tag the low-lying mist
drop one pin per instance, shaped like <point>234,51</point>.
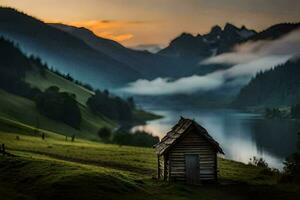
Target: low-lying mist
<point>246,59</point>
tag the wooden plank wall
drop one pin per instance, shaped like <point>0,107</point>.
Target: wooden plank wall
<point>193,143</point>
<point>160,170</point>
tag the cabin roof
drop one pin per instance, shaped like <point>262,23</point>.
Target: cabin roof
<point>178,131</point>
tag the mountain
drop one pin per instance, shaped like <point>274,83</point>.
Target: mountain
<point>193,49</point>
<point>163,65</point>
<point>64,51</point>
<point>149,65</point>
<point>99,61</point>
<point>277,87</point>
<point>220,40</point>
<point>274,32</point>
<point>196,48</point>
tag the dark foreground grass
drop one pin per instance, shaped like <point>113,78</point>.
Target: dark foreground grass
<point>36,178</point>
<point>57,169</point>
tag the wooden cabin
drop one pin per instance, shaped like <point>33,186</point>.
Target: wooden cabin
<point>187,153</point>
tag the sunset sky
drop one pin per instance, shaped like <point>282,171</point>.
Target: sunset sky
<point>135,22</point>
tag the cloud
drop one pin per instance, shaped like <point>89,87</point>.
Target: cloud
<point>165,86</point>
<point>118,38</point>
<point>240,74</point>
<point>153,48</point>
<point>251,51</point>
<point>247,59</point>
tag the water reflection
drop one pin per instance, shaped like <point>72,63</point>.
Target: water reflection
<point>241,135</point>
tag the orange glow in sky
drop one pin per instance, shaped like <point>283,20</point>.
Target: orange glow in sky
<point>134,22</point>
<point>107,29</point>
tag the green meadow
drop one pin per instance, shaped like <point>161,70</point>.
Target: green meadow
<point>35,79</point>
<point>24,110</point>
<point>57,168</point>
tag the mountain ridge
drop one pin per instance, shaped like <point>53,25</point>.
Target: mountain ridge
<point>99,61</point>
<point>64,51</point>
<point>216,41</point>
<point>148,64</point>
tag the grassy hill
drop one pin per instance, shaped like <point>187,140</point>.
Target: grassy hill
<point>20,74</point>
<point>18,98</point>
<point>35,79</point>
<point>24,110</point>
<point>58,169</point>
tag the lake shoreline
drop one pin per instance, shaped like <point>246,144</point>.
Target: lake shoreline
<point>242,134</point>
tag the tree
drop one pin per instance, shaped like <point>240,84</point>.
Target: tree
<point>110,106</point>
<point>259,162</point>
<point>104,133</point>
<point>274,113</point>
<point>13,67</point>
<point>106,92</point>
<point>292,165</point>
<point>295,111</point>
<point>138,138</point>
<point>60,106</point>
<point>131,102</point>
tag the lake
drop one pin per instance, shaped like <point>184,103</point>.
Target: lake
<point>241,135</point>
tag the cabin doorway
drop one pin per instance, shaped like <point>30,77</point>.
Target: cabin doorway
<point>192,169</point>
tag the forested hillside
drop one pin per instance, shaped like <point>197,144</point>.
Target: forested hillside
<point>13,67</point>
<point>279,86</point>
<point>32,94</point>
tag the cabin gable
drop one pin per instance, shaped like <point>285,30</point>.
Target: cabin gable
<point>192,143</point>
<point>187,153</point>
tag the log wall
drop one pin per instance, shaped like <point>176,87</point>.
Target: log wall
<point>193,143</point>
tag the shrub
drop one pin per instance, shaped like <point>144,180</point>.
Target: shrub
<point>138,138</point>
<point>270,171</point>
<point>292,166</point>
<point>295,111</point>
<point>104,133</point>
<point>259,162</point>
<point>274,113</point>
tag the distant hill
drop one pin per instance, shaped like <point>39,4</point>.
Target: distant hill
<point>149,65</point>
<point>276,87</point>
<point>64,51</point>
